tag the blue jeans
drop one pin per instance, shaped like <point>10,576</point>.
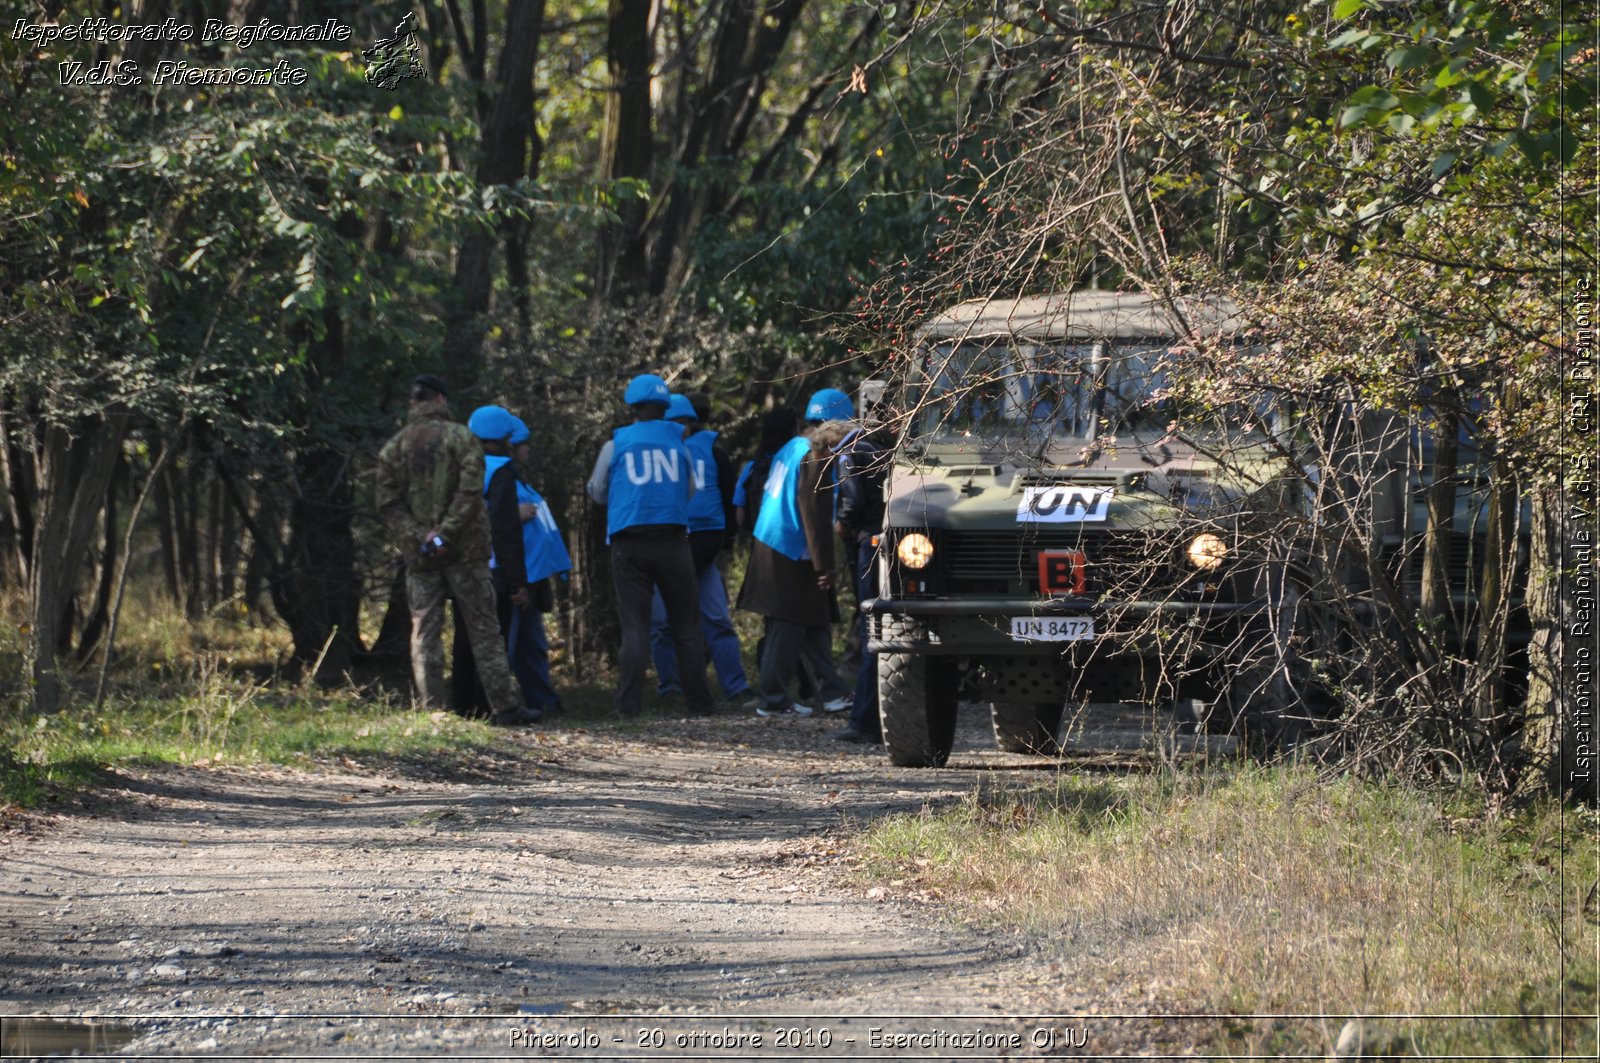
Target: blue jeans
<point>722,643</point>
<point>864,716</point>
<point>530,658</point>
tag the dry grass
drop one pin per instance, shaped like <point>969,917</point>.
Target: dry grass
<point>1267,891</point>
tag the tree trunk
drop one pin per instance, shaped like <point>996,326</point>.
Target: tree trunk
<point>626,146</point>
<point>166,521</point>
<point>21,499</point>
<point>320,590</point>
<point>1495,589</point>
<point>503,161</point>
<point>188,533</point>
<point>1557,731</point>
<point>390,654</point>
<point>1436,605</point>
<point>122,575</point>
<point>94,626</point>
<point>73,475</point>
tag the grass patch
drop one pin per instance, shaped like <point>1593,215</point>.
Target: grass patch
<point>1255,890</point>
<point>221,720</point>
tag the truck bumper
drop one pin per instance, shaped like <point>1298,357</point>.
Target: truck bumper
<point>983,625</point>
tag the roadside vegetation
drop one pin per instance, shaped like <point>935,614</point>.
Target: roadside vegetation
<point>1253,891</point>
<point>216,692</point>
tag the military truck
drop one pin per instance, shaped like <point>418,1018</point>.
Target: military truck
<point>1048,536</point>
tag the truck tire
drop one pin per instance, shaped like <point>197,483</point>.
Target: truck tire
<point>1026,727</point>
<point>917,707</point>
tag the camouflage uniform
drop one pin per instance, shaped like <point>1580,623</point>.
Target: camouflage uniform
<point>430,479</point>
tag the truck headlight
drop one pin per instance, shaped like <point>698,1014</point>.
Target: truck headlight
<point>1206,551</point>
<point>914,550</point>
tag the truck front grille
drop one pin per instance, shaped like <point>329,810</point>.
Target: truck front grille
<point>1123,563</point>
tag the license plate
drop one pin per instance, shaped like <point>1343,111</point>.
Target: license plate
<point>1052,628</point>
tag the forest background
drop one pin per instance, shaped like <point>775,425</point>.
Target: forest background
<point>214,297</point>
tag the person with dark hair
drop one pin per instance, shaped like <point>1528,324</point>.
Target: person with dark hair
<point>430,495</point>
<point>862,468</point>
<point>777,428</point>
<point>790,578</point>
<point>644,477</point>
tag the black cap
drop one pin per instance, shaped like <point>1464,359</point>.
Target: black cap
<point>431,382</point>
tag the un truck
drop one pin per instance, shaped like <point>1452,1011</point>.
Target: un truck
<point>1051,535</point>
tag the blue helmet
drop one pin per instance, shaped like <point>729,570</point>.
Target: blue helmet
<point>519,431</point>
<point>492,422</point>
<point>681,409</point>
<point>830,404</point>
<point>647,387</point>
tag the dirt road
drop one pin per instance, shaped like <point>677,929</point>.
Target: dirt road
<point>674,893</point>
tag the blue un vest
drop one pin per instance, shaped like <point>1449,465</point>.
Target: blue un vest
<point>542,543</point>
<point>779,523</point>
<point>491,465</point>
<point>649,476</point>
<point>705,508</point>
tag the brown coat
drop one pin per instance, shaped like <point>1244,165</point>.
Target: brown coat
<point>780,587</point>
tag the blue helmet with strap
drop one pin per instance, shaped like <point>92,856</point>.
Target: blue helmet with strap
<point>830,404</point>
<point>681,409</point>
<point>647,387</point>
<point>491,423</point>
<point>519,431</point>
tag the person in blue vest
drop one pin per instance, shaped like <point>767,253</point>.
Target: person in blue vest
<point>644,476</point>
<point>493,425</point>
<point>709,520</point>
<point>790,580</point>
<point>547,560</point>
<point>777,428</point>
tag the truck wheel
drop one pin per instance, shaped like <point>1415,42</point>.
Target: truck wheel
<point>1026,727</point>
<point>917,707</point>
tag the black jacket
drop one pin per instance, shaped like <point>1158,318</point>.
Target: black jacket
<point>863,466</point>
<point>505,530</point>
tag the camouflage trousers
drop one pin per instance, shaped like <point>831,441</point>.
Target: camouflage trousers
<point>473,590</point>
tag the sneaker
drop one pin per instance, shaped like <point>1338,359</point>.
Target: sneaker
<point>850,734</point>
<point>844,704</point>
<point>794,708</point>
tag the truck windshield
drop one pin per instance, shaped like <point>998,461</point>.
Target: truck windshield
<point>1035,391</point>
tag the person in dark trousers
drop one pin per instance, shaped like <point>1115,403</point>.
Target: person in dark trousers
<point>494,426</point>
<point>790,578</point>
<point>430,496</point>
<point>861,465</point>
<point>547,560</point>
<point>778,427</point>
<point>644,477</point>
<point>710,517</point>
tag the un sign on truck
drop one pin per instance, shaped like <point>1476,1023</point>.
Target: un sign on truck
<point>1063,504</point>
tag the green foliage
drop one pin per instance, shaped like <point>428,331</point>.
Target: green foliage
<point>1512,71</point>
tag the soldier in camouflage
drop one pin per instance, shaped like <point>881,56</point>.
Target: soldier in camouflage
<point>430,496</point>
